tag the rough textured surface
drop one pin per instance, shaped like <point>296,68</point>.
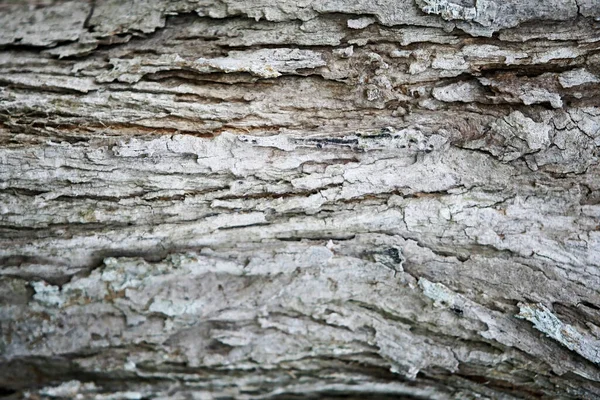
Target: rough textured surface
<point>300,199</point>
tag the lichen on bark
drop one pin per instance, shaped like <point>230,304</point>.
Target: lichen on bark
<point>299,199</point>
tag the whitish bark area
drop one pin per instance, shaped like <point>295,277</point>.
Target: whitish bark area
<point>266,199</point>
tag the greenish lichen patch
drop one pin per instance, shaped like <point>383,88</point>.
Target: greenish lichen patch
<point>545,321</point>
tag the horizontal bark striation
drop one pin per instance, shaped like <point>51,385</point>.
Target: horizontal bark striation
<point>225,199</point>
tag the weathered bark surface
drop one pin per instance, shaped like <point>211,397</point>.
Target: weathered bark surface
<point>300,199</point>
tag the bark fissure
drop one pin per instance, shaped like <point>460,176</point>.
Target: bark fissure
<point>320,199</point>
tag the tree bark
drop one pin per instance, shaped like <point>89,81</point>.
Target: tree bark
<point>300,199</point>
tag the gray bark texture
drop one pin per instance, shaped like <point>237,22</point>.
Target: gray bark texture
<point>300,199</point>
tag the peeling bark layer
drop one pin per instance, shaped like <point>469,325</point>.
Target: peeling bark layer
<point>300,199</point>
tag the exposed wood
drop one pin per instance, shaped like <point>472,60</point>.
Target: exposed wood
<point>300,199</point>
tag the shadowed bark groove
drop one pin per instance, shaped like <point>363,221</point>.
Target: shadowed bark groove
<point>300,199</point>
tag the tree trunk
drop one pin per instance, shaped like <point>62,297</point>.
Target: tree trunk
<point>267,199</point>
